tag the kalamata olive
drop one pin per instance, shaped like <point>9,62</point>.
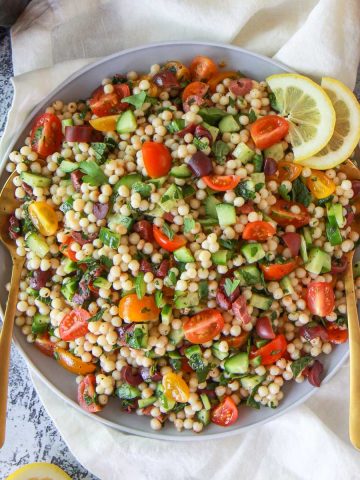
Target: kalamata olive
<point>131,377</point>
<point>123,331</point>
<point>245,209</point>
<point>81,239</point>
<point>240,311</point>
<point>350,215</point>
<point>27,188</point>
<point>339,265</point>
<point>163,269</point>
<point>78,133</point>
<point>145,266</point>
<point>169,217</point>
<point>264,328</point>
<point>144,229</point>
<point>83,292</point>
<point>76,177</point>
<point>14,227</point>
<point>188,129</point>
<point>241,86</point>
<point>200,164</point>
<point>309,333</point>
<point>39,278</point>
<point>193,100</point>
<point>166,79</point>
<point>145,373</point>
<point>292,240</point>
<point>315,373</point>
<point>222,300</point>
<point>355,185</point>
<point>201,132</point>
<point>270,166</point>
<point>100,210</point>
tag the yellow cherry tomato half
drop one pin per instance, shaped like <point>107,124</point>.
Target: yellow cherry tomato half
<point>175,388</point>
<point>44,218</point>
<point>134,309</point>
<point>71,363</point>
<point>320,185</point>
<point>104,124</point>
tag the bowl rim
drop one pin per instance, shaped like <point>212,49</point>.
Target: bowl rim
<point>34,369</point>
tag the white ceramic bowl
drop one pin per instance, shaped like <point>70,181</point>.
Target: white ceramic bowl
<point>80,85</point>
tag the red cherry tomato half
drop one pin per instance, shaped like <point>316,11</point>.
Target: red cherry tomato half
<point>226,413</point>
<point>46,134</point>
<point>202,68</point>
<point>163,241</point>
<point>103,104</point>
<point>195,89</point>
<point>320,298</point>
<point>268,130</point>
<point>204,326</point>
<point>86,394</point>
<point>283,213</point>
<point>66,250</point>
<point>336,334</point>
<point>157,159</point>
<point>44,344</point>
<point>272,351</point>
<point>221,183</point>
<point>74,324</point>
<point>259,231</point>
<point>237,342</point>
<point>277,271</point>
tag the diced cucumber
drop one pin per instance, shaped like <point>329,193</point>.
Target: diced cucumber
<point>356,269</point>
<point>213,130</point>
<point>243,153</point>
<point>182,171</point>
<point>67,167</point>
<point>128,180</point>
<point>333,233</point>
<point>252,381</point>
<point>109,238</point>
<point>206,402</point>
<point>308,236</point>
<point>276,152</point>
<point>228,124</point>
<point>210,206</point>
<point>158,182</point>
<point>203,416</point>
<point>69,288</point>
<point>188,300</point>
<point>66,122</point>
<point>237,364</point>
<point>166,314</point>
<point>155,212</point>
<point>285,284</point>
<point>303,249</point>
<point>127,392</point>
<point>203,289</point>
<point>183,254</point>
<point>258,179</point>
<point>226,214</point>
<point>35,180</point>
<point>170,198</point>
<point>193,350</point>
<point>40,323</point>
<point>166,403</point>
<point>176,336</point>
<point>138,337</point>
<point>143,188</point>
<point>208,222</point>
<point>335,214</point>
<point>215,349</point>
<point>248,275</point>
<point>126,122</point>
<point>253,252</point>
<point>145,402</point>
<point>260,301</point>
<point>37,244</point>
<point>212,115</point>
<point>256,361</point>
<point>220,257</point>
<point>319,261</point>
<point>69,266</point>
<point>101,282</point>
<point>117,219</point>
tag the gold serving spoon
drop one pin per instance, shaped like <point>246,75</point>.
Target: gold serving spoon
<point>8,203</point>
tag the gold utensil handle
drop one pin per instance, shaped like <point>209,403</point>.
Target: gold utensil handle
<point>5,343</point>
<point>354,340</point>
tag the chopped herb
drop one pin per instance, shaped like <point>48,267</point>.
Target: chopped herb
<point>98,316</point>
<point>230,286</point>
<point>145,310</point>
<point>258,162</point>
<point>159,299</point>
<point>243,190</point>
<point>220,150</point>
<point>140,285</point>
<point>252,116</point>
<point>228,244</point>
<point>26,224</point>
<point>273,103</point>
<point>152,100</point>
<point>67,205</point>
<point>168,231</point>
<point>38,133</point>
<point>250,401</point>
<point>283,192</point>
<point>119,79</point>
<point>136,100</point>
<point>298,366</point>
<point>231,102</point>
<point>94,175</point>
<point>100,150</point>
<point>324,201</point>
<point>106,261</point>
<point>300,193</point>
<point>189,224</point>
<point>84,111</point>
<point>212,115</point>
<point>135,339</point>
<point>199,144</point>
<point>172,277</point>
<point>143,188</point>
<point>176,125</point>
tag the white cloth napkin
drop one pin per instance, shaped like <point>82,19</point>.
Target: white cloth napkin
<point>316,37</point>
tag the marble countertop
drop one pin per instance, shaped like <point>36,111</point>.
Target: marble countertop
<point>31,435</point>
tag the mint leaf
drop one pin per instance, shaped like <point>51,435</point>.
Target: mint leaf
<point>220,149</point>
<point>168,231</point>
<point>93,173</point>
<point>300,193</point>
<point>230,286</point>
<point>137,100</point>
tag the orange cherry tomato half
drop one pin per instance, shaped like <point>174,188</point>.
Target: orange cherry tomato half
<point>288,171</point>
<point>283,213</point>
<point>46,134</point>
<point>336,334</point>
<point>134,309</point>
<point>103,104</point>
<point>44,344</point>
<point>181,72</point>
<point>165,242</point>
<point>87,394</point>
<point>219,77</point>
<point>175,387</point>
<point>71,363</point>
<point>320,185</point>
<point>320,298</point>
<point>66,250</point>
<point>237,342</point>
<point>266,131</point>
<point>204,326</point>
<point>194,89</point>
<point>272,351</point>
<point>277,271</point>
<point>259,231</point>
<point>226,413</point>
<point>74,324</point>
<point>157,159</point>
<point>221,183</point>
<point>202,68</point>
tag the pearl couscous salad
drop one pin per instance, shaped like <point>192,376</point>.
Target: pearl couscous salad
<point>185,234</point>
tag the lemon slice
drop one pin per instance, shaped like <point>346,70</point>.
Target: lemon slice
<point>39,471</point>
<point>347,127</point>
<point>309,111</point>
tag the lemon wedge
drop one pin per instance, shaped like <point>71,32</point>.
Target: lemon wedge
<point>308,109</point>
<point>39,471</point>
<point>347,127</point>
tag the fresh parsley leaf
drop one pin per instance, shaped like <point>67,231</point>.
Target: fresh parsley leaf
<point>258,162</point>
<point>176,125</point>
<point>220,150</point>
<point>168,231</point>
<point>172,277</point>
<point>143,188</point>
<point>106,261</point>
<point>252,116</point>
<point>298,366</point>
<point>140,285</point>
<point>243,190</point>
<point>230,286</point>
<point>212,115</point>
<point>98,316</point>
<point>100,150</point>
<point>273,103</point>
<point>300,193</point>
<point>189,224</point>
<point>283,192</point>
<point>137,100</point>
<point>136,339</point>
<point>93,173</point>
